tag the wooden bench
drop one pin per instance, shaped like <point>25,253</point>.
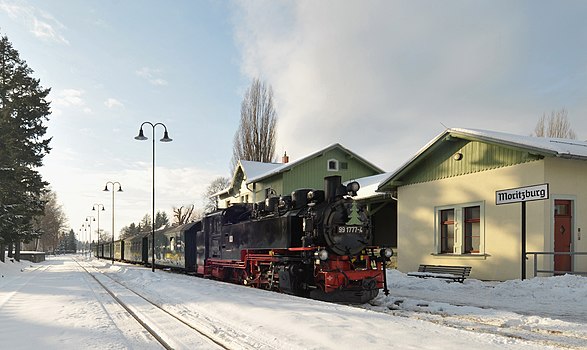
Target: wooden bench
<point>454,273</point>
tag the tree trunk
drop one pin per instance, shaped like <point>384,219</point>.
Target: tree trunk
<point>10,251</point>
<point>2,252</point>
<point>17,251</point>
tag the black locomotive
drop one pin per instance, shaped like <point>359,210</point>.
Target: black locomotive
<point>314,243</point>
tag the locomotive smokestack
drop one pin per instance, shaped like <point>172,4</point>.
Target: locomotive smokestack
<point>331,184</point>
<point>285,158</point>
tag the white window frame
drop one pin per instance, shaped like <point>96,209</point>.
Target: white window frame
<point>336,165</point>
<point>459,228</point>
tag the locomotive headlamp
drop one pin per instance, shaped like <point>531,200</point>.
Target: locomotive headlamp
<point>353,187</point>
<point>323,254</point>
<point>386,253</point>
<point>310,195</point>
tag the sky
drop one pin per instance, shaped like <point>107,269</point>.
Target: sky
<point>382,78</point>
<point>538,313</point>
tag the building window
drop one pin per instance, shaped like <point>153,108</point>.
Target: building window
<point>460,229</point>
<point>332,165</point>
<point>447,230</point>
<point>472,229</point>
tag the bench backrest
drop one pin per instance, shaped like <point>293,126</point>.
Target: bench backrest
<point>454,270</point>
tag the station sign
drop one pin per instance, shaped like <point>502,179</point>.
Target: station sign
<point>522,194</point>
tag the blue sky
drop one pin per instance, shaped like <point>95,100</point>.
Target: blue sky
<point>379,77</point>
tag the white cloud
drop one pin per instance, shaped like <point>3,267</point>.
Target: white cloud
<point>69,98</point>
<point>386,74</point>
<point>41,24</point>
<point>113,103</point>
<point>152,76</point>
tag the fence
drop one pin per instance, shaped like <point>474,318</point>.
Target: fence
<point>572,254</point>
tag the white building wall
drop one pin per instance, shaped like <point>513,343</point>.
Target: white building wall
<point>501,258</point>
<point>568,180</point>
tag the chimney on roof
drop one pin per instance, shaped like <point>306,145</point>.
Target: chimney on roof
<point>285,158</point>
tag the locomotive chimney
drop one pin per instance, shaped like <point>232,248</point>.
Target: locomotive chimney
<point>331,184</point>
<point>285,158</point>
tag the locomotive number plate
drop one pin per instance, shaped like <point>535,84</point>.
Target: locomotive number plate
<point>350,229</point>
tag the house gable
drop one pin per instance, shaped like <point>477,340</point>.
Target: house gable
<point>455,157</point>
<point>311,173</point>
<point>481,151</point>
<point>254,181</point>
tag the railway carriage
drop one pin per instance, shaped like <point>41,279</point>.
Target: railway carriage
<point>135,249</point>
<point>175,247</point>
<point>119,250</point>
<point>106,248</point>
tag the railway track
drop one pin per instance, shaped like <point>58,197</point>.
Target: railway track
<point>507,324</point>
<point>168,328</point>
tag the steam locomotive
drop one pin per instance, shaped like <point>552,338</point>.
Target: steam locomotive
<point>314,243</point>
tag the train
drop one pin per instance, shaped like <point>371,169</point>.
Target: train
<point>312,243</point>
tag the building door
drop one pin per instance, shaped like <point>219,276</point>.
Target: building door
<point>563,234</point>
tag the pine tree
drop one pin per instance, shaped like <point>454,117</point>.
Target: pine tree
<point>23,111</point>
<point>161,219</point>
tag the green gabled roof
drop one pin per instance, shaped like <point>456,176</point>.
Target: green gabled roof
<point>481,150</point>
<point>288,166</point>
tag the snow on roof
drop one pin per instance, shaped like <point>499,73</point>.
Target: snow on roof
<point>564,148</point>
<point>369,186</point>
<point>254,169</point>
<point>250,169</point>
<point>286,166</point>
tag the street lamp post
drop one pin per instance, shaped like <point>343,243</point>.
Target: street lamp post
<point>119,190</point>
<point>98,210</point>
<point>141,136</point>
<point>90,227</point>
<point>84,237</point>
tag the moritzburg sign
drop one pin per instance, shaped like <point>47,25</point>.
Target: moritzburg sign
<point>522,194</point>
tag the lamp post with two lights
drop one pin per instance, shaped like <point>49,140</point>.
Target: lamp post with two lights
<point>96,207</point>
<point>89,224</point>
<point>119,190</point>
<point>141,136</point>
<point>83,237</point>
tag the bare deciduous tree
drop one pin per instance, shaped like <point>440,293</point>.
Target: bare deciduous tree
<point>50,225</point>
<point>555,125</point>
<point>217,185</point>
<point>255,137</point>
<point>185,214</point>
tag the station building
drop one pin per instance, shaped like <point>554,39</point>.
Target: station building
<point>449,211</point>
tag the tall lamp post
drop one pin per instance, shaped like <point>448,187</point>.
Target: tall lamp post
<point>106,190</point>
<point>96,207</point>
<point>141,136</point>
<point>84,237</point>
<point>89,224</point>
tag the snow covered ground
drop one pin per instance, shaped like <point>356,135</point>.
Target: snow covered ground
<point>57,305</point>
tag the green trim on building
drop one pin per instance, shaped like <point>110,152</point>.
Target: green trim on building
<point>308,172</point>
<point>443,161</point>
